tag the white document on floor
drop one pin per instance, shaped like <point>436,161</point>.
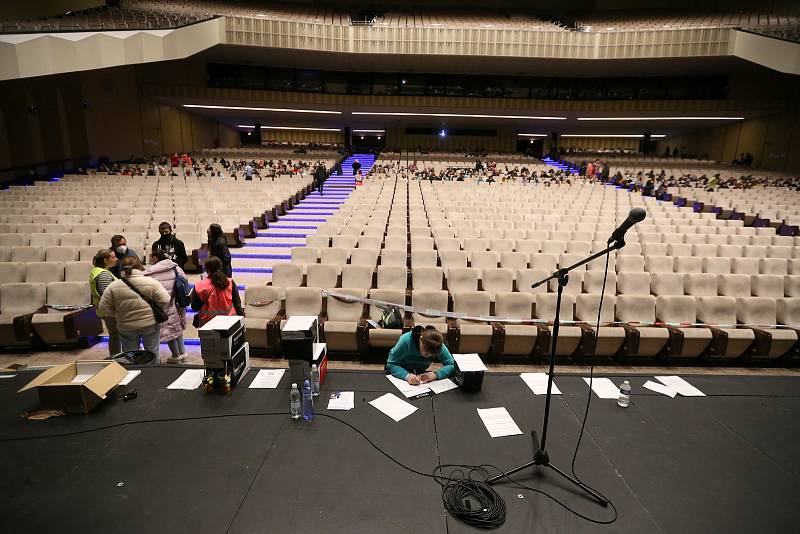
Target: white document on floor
<point>538,383</point>
<point>190,379</point>
<point>498,422</point>
<point>393,406</point>
<point>680,385</point>
<point>604,388</point>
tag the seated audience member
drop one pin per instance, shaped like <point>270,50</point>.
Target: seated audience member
<point>413,353</point>
<point>172,247</point>
<point>165,271</point>
<point>120,247</point>
<point>214,295</point>
<point>218,246</point>
<point>99,279</point>
<point>134,316</point>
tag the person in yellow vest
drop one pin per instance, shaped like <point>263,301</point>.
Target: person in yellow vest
<point>99,279</point>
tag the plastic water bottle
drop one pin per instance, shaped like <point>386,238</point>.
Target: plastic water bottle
<point>315,380</point>
<point>624,394</point>
<point>294,402</point>
<point>308,402</point>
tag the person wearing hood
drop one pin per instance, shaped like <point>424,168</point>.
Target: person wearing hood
<point>218,246</point>
<point>165,271</point>
<point>134,317</point>
<point>412,355</point>
<point>120,247</point>
<point>172,247</point>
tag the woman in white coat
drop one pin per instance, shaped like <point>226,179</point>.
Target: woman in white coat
<point>164,271</point>
<point>135,318</point>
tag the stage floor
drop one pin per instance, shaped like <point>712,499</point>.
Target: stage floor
<point>728,462</point>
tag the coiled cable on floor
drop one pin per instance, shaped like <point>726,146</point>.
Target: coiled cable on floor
<point>474,502</point>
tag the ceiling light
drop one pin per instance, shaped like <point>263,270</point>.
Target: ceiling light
<point>463,115</point>
<point>622,136</point>
<point>290,128</point>
<point>368,131</point>
<point>282,110</point>
<point>531,135</point>
<point>660,118</point>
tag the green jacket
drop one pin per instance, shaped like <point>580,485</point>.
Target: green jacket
<point>405,358</point>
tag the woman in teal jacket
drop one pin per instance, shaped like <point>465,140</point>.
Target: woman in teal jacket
<point>413,353</point>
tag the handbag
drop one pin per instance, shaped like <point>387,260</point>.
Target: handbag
<point>159,314</point>
<point>391,318</point>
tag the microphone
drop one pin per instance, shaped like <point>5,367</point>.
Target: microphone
<point>636,215</point>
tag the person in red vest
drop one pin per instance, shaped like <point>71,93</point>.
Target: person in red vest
<point>216,294</point>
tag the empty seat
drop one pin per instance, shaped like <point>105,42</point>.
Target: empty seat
<point>452,258</point>
<point>421,243</point>
<point>747,266</point>
<point>67,327</point>
<point>462,279</point>
<point>716,265</point>
<point>430,300</point>
<point>303,301</point>
<point>45,240</point>
<point>368,257</point>
<point>554,247</point>
<point>318,241</point>
<point>631,264</point>
<point>76,240</point>
<point>322,275</point>
<point>527,277</point>
<point>569,336</point>
<point>754,251</point>
<point>472,336</point>
<point>640,341</point>
<point>423,258</point>
<point>608,340</point>
<point>528,246</point>
<point>497,280</point>
<point>287,275</point>
<point>357,276</point>
<point>700,285</point>
<point>76,271</point>
<point>384,337</point>
<point>261,305</point>
<point>666,284</point>
<point>733,285</point>
<point>484,260</point>
<point>14,240</point>
<point>574,283</point>
<point>728,341</point>
<point>688,264</point>
<point>396,242</point>
<point>392,277</point>
<point>446,243</point>
<point>514,260</point>
<point>544,262</point>
<point>344,318</point>
<point>704,251</point>
<point>593,282</point>
<point>344,242</point>
<point>26,254</point>
<point>659,264</point>
<point>685,341</point>
<point>304,255</point>
<point>56,253</point>
<point>517,339</point>
<point>760,312</point>
<point>44,271</point>
<point>12,272</point>
<point>767,285</point>
<point>18,303</point>
<point>773,266</point>
<point>426,277</point>
<point>633,283</point>
<point>395,257</point>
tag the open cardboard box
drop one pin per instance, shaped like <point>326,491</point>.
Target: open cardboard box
<point>76,387</point>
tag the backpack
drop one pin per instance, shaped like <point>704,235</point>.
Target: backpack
<point>391,318</point>
<point>181,290</point>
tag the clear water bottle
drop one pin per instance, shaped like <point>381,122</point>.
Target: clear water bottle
<point>315,380</point>
<point>294,402</point>
<point>624,394</point>
<point>308,402</point>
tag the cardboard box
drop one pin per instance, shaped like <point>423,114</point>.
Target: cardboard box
<point>300,370</point>
<point>76,387</point>
<point>239,365</point>
<point>221,338</point>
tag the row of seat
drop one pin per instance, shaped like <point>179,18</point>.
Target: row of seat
<point>45,271</point>
<point>344,327</point>
<point>27,320</point>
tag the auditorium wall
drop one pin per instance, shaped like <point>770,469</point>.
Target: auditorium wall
<point>774,142</point>
<point>10,9</point>
<point>504,141</point>
<point>68,120</point>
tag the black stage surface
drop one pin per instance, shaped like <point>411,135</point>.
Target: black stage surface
<point>729,462</point>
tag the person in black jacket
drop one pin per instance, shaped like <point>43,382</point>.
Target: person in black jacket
<point>172,247</point>
<point>320,175</point>
<point>218,246</point>
<point>356,166</point>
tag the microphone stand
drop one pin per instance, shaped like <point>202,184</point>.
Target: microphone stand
<point>540,457</point>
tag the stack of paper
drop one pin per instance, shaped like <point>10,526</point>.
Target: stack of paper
<point>442,385</point>
<point>190,379</point>
<point>407,389</point>
<point>342,400</point>
<point>267,379</point>
<point>469,362</point>
<point>538,383</point>
<point>498,422</point>
<point>681,386</point>
<point>393,406</point>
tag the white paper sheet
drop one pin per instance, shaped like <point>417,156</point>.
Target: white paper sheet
<point>393,406</point>
<point>190,379</point>
<point>469,362</point>
<point>498,422</point>
<point>538,383</point>
<point>267,379</point>
<point>680,385</point>
<point>342,400</point>
<point>81,378</point>
<point>604,388</point>
<point>407,389</point>
<point>660,388</point>
<point>129,377</point>
<point>442,385</point>
<point>7,376</point>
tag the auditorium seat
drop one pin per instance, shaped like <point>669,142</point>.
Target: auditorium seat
<point>287,275</point>
<point>430,300</point>
<point>574,283</point>
<point>515,339</point>
<point>610,338</point>
<point>400,243</point>
<point>684,341</point>
<point>77,271</point>
<point>67,327</point>
<point>357,276</point>
<point>775,266</point>
<point>344,242</point>
<point>666,284</point>
<point>384,337</point>
<point>569,336</point>
<point>44,240</point>
<point>514,260</point>
<point>304,256</point>
<point>423,258</point>
<point>318,241</point>
<point>392,277</point>
<point>27,254</point>
<point>729,342</point>
<point>429,278</point>
<point>471,336</point>
<point>484,260</point>
<point>261,305</point>
<point>497,281</point>
<point>343,321</point>
<point>12,272</point>
<point>640,341</point>
<point>77,240</point>
<point>633,283</point>
<point>544,262</point>
<point>394,257</point>
<point>44,271</point>
<point>761,312</point>
<point>18,303</point>
<point>767,285</point>
<point>14,240</point>
<point>364,256</point>
<point>700,284</point>
<point>716,265</point>
<point>332,256</point>
<point>324,276</point>
<point>303,301</point>
<point>593,282</point>
<point>733,285</point>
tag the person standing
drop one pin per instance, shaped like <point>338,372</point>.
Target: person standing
<point>165,271</point>
<point>248,172</point>
<point>320,174</point>
<point>356,166</point>
<point>218,246</point>
<point>172,247</point>
<point>214,295</point>
<point>99,279</point>
<point>125,301</point>
<point>120,247</point>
